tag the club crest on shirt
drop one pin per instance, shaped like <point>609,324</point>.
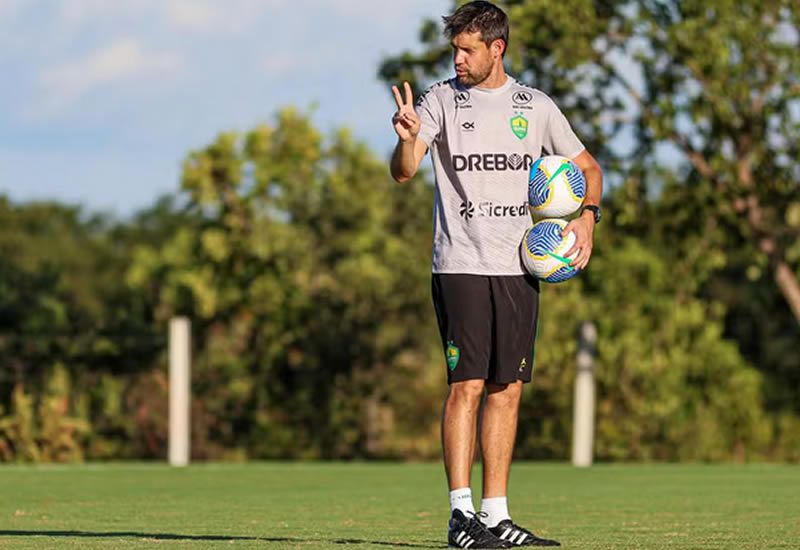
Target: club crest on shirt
<point>519,125</point>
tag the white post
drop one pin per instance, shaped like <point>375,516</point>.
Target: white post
<point>583,412</point>
<point>179,394</point>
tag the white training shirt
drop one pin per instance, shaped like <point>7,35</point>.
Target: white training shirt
<point>483,142</point>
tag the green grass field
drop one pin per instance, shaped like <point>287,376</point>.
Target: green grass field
<point>302,505</point>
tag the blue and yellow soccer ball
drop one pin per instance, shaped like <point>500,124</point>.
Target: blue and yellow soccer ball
<point>543,251</point>
<point>556,187</point>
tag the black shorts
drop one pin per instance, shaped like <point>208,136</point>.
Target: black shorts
<point>488,325</point>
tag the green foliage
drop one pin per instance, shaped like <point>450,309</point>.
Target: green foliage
<point>306,270</point>
<point>692,110</point>
<point>304,279</point>
<point>65,316</point>
<point>669,386</point>
<point>42,432</point>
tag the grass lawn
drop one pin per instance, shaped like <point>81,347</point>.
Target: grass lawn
<point>364,505</point>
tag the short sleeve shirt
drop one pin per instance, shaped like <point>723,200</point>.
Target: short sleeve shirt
<point>483,143</point>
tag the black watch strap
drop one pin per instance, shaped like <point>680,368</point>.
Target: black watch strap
<point>595,210</point>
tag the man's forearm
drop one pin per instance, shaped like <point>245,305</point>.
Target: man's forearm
<point>404,164</point>
<point>594,185</point>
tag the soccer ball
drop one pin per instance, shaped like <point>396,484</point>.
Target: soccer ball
<point>556,187</point>
<point>543,249</point>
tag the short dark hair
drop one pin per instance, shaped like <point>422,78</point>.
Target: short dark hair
<point>478,16</point>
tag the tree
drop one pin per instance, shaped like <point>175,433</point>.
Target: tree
<point>693,111</point>
<point>306,281</point>
<point>73,339</point>
<point>717,84</point>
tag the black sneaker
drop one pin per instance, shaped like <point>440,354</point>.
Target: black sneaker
<point>507,530</point>
<point>464,532</point>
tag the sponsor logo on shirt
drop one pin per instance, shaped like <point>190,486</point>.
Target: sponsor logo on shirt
<point>522,98</point>
<point>491,162</point>
<point>468,126</point>
<point>462,100</point>
<point>522,101</point>
<point>489,209</point>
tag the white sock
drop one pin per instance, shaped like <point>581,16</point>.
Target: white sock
<point>496,509</point>
<point>461,499</point>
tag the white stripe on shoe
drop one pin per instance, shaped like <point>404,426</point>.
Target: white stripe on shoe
<point>505,533</point>
<point>460,536</point>
<point>470,543</point>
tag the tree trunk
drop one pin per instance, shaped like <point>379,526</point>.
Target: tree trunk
<point>784,277</point>
<point>788,285</point>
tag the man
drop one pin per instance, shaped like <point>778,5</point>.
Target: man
<point>484,130</point>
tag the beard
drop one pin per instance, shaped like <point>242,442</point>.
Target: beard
<point>475,77</point>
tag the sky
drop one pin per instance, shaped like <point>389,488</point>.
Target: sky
<point>100,100</point>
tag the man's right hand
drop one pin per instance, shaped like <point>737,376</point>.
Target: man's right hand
<point>406,122</point>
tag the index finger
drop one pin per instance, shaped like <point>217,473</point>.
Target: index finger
<point>397,98</point>
<point>409,94</point>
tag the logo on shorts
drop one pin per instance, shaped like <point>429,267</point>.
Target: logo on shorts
<point>453,354</point>
<point>522,364</point>
<point>519,125</point>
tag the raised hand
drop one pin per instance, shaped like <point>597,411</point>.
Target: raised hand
<point>405,120</point>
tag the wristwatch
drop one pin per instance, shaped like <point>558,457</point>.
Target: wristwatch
<point>594,210</point>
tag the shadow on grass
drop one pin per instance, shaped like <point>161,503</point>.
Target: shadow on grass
<point>172,536</point>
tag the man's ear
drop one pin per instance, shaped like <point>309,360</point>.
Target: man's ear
<point>499,47</point>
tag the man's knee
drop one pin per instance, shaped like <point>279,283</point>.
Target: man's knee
<point>466,392</point>
<point>503,394</point>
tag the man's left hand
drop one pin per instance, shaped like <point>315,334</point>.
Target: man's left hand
<point>583,227</point>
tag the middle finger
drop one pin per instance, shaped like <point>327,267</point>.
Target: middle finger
<point>409,94</point>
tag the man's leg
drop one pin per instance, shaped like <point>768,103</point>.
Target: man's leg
<point>464,313</point>
<point>459,430</point>
<point>516,301</point>
<point>465,529</point>
<point>498,432</point>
